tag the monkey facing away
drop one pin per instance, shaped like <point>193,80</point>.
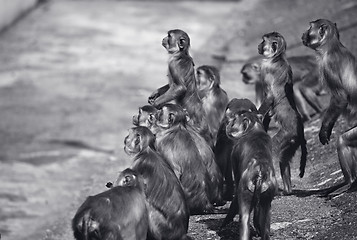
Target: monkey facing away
<point>255,182</point>
<point>338,70</point>
<point>117,214</point>
<point>279,103</point>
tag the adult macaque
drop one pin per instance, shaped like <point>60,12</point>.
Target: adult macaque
<point>338,71</point>
<point>224,144</point>
<point>214,98</point>
<point>119,213</point>
<point>279,103</point>
<point>255,182</point>
<point>182,83</point>
<point>190,157</point>
<point>305,79</point>
<point>168,211</point>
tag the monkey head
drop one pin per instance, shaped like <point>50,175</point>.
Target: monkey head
<point>273,45</point>
<point>130,178</point>
<point>146,116</point>
<point>176,41</point>
<point>320,32</point>
<point>207,77</point>
<point>139,139</point>
<point>242,123</point>
<point>170,115</point>
<point>236,106</point>
<point>250,73</point>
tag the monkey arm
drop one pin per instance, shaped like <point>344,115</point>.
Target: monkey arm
<point>338,103</point>
<point>266,105</point>
<point>158,92</point>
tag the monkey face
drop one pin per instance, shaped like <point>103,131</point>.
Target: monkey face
<point>170,115</point>
<point>139,138</point>
<point>237,126</point>
<point>146,116</point>
<point>176,41</point>
<point>243,122</point>
<point>132,142</point>
<point>250,73</point>
<point>204,82</point>
<point>273,45</point>
<point>319,32</point>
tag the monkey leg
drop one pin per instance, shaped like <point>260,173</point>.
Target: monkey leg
<point>300,102</point>
<point>232,212</point>
<point>312,99</point>
<point>244,212</point>
<point>262,218</point>
<point>287,150</point>
<point>347,155</point>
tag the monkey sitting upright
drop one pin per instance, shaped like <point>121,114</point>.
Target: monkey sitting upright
<point>214,98</point>
<point>279,103</point>
<point>255,182</point>
<point>338,70</point>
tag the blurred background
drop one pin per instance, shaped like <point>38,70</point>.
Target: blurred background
<point>74,72</point>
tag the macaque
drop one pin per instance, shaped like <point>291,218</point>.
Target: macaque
<point>338,70</point>
<point>279,103</point>
<point>182,82</point>
<point>214,98</point>
<point>117,214</point>
<point>255,182</point>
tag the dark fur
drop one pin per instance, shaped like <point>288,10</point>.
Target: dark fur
<point>338,70</point>
<point>214,98</point>
<point>168,211</point>
<point>179,145</point>
<point>119,213</point>
<point>254,174</point>
<point>182,83</point>
<point>305,79</point>
<point>224,145</point>
<point>279,103</point>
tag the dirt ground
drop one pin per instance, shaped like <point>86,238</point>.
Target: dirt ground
<point>73,73</point>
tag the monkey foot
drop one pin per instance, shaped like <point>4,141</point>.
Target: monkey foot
<point>340,190</point>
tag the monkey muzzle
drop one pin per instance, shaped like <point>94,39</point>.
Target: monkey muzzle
<point>260,49</point>
<point>305,38</point>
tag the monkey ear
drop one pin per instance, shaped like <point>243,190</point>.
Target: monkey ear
<point>260,117</point>
<point>322,30</point>
<point>256,66</point>
<point>182,43</point>
<point>274,46</point>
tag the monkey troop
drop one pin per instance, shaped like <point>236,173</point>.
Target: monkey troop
<point>338,71</point>
<point>191,155</point>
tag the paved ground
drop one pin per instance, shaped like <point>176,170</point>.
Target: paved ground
<point>73,73</point>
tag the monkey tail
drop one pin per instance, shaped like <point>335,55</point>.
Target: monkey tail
<point>257,189</point>
<point>303,157</point>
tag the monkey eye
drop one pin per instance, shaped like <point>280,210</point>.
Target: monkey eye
<point>171,117</point>
<point>151,118</point>
<point>274,46</point>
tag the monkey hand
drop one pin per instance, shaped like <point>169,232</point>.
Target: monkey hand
<point>152,98</point>
<point>324,135</point>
